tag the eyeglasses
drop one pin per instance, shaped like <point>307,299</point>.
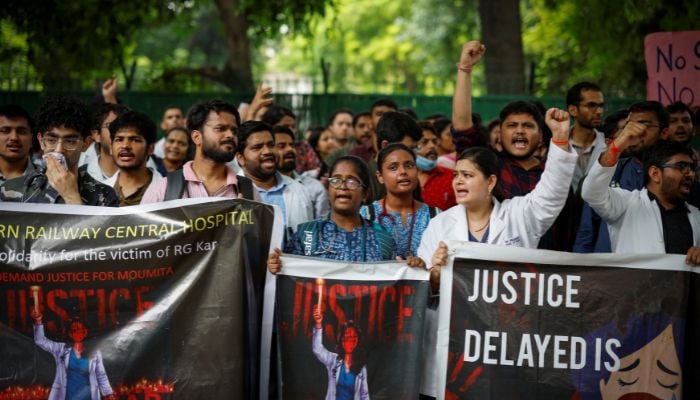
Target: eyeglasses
<point>69,143</point>
<point>593,106</point>
<point>683,166</point>
<point>350,183</point>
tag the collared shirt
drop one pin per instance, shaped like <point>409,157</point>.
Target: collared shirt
<point>585,154</point>
<point>437,190</point>
<point>678,233</point>
<point>194,187</point>
<point>275,194</point>
<point>134,198</point>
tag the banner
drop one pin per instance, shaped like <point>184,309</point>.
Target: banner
<point>673,67</point>
<point>149,302</point>
<point>530,324</point>
<point>349,330</point>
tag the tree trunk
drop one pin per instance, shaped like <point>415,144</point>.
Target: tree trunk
<point>237,74</point>
<point>500,32</point>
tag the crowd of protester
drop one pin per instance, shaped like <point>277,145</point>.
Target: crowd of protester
<point>381,184</point>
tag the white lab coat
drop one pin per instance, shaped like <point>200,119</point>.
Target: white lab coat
<point>634,220</point>
<point>520,221</point>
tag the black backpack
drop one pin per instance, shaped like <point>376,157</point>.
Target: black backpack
<point>176,186</point>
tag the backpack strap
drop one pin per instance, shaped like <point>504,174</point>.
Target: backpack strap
<point>245,186</point>
<point>175,186</point>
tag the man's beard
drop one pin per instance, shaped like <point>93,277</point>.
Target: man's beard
<point>219,156</point>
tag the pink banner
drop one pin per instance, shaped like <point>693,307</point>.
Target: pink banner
<point>673,67</point>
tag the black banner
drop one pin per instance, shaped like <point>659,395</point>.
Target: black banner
<point>563,326</point>
<point>366,340</point>
<point>130,304</point>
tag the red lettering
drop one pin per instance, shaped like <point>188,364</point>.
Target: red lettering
<point>359,291</point>
<point>296,310</point>
<point>372,317</point>
<point>387,291</point>
<point>124,293</point>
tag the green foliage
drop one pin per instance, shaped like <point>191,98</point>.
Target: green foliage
<point>597,40</point>
<point>384,46</point>
<point>72,42</point>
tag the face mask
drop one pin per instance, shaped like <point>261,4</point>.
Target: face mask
<point>425,164</point>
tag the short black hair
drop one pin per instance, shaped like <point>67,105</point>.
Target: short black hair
<point>65,111</point>
<point>393,126</point>
<point>137,120</point>
<point>13,111</point>
<point>101,111</point>
<point>275,113</point>
<point>197,115</point>
<point>610,122</point>
<point>574,94</point>
<point>410,113</point>
<point>522,107</point>
<point>676,107</point>
<point>655,107</point>
<point>436,116</point>
<point>359,115</point>
<point>662,151</point>
<point>440,124</point>
<point>343,110</point>
<point>248,128</point>
<point>171,107</point>
<point>427,126</point>
<point>384,102</point>
<point>282,129</point>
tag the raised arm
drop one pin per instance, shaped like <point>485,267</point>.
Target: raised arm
<point>464,134</point>
<point>610,203</point>
<point>462,100</point>
<point>539,208</point>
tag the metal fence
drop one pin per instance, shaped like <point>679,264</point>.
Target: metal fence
<point>311,109</point>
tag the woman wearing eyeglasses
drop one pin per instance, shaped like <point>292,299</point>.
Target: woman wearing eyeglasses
<point>343,234</point>
<point>399,212</point>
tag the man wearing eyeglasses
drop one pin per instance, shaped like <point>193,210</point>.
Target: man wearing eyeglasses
<point>657,218</point>
<point>653,120</point>
<point>586,104</point>
<point>63,124</point>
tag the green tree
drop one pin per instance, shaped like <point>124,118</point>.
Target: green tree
<point>71,42</point>
<point>384,46</point>
<point>597,40</point>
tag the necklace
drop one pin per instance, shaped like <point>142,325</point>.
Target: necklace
<point>483,227</point>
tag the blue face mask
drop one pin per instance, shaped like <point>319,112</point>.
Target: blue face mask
<point>425,164</point>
